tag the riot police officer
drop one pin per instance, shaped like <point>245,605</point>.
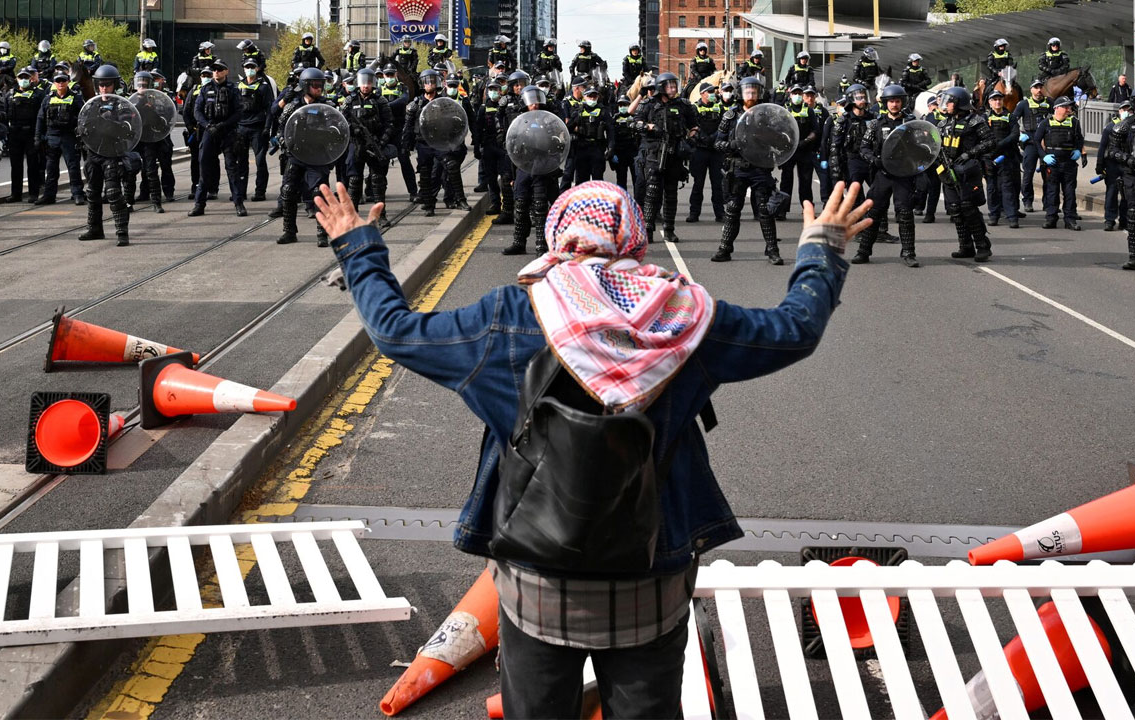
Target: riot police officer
<point>372,128</point>
<point>845,162</point>
<point>999,58</point>
<point>626,144</point>
<point>299,177</point>
<point>397,97</point>
<point>105,173</point>
<point>800,163</point>
<point>217,112</point>
<point>1003,178</point>
<point>406,57</point>
<point>915,79</point>
<point>706,160</point>
<point>567,109</point>
<point>585,61</point>
<point>754,66</point>
<point>966,137</point>
<point>927,186</point>
<point>1121,150</point>
<point>165,152</point>
<point>19,111</point>
<point>440,53</point>
<point>1061,144</point>
<point>592,132</point>
<point>1115,203</point>
<point>7,63</point>
<point>534,194</point>
<point>249,51</point>
<point>801,73</point>
<point>44,61</point>
<point>741,177</point>
<point>500,53</point>
<point>252,133</point>
<point>307,55</point>
<point>701,67</point>
<point>1053,62</point>
<point>666,123</point>
<point>354,59</point>
<point>866,68</point>
<point>885,185</point>
<point>1029,116</point>
<point>90,57</point>
<point>430,83</point>
<point>632,65</point>
<point>203,59</point>
<point>487,148</point>
<point>150,153</point>
<point>447,173</point>
<point>55,133</point>
<point>844,84</point>
<point>147,57</point>
<point>548,61</point>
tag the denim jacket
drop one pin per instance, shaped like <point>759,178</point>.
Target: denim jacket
<point>481,351</point>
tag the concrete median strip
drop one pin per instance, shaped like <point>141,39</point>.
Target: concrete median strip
<point>49,680</point>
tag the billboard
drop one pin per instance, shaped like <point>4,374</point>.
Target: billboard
<point>462,39</point>
<point>417,20</point>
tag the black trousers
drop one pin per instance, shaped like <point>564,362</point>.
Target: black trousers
<point>928,189</point>
<point>22,149</point>
<point>60,145</point>
<point>706,161</point>
<point>1115,199</point>
<point>541,680</point>
<point>1060,180</point>
<point>498,176</point>
<point>623,163</point>
<point>1003,188</point>
<point>1029,159</point>
<point>212,145</point>
<point>359,162</point>
<point>801,164</point>
<point>662,192</point>
<point>250,138</point>
<point>301,180</point>
<point>589,160</point>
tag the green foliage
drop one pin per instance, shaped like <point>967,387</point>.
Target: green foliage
<point>424,51</point>
<point>23,45</point>
<point>991,7</point>
<point>116,44</point>
<point>332,37</point>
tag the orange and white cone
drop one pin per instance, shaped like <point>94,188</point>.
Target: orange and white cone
<point>977,688</point>
<point>1101,525</point>
<point>469,632</point>
<point>171,389</point>
<point>78,341</point>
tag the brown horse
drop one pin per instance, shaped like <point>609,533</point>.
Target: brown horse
<point>1060,85</point>
<point>1006,83</point>
<point>80,75</point>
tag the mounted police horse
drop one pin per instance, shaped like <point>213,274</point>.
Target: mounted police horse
<point>1061,85</point>
<point>1006,83</point>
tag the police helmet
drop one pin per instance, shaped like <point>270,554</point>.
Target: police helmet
<point>429,76</point>
<point>578,81</point>
<point>855,93</point>
<point>748,81</point>
<point>591,90</point>
<point>1054,41</point>
<point>366,76</point>
<point>143,80</point>
<point>149,44</point>
<point>634,46</point>
<point>870,53</point>
<point>797,88</point>
<point>308,36</point>
<point>532,95</point>
<point>62,64</point>
<point>312,78</point>
<point>1063,101</point>
<point>757,53</point>
<point>106,71</point>
<point>205,46</point>
<point>440,38</point>
<point>892,92</point>
<point>1001,42</point>
<point>701,46</point>
<point>44,46</point>
<point>519,77</point>
<point>60,77</point>
<point>494,83</point>
<point>355,44</point>
<point>389,69</point>
<point>441,67</point>
<point>624,100</point>
<point>665,79</point>
<point>244,45</point>
<point>544,83</point>
<point>914,57</point>
<point>88,43</point>
<point>727,85</point>
<point>856,88</point>
<point>501,40</point>
<point>650,84</point>
<point>803,55</point>
<point>996,94</point>
<point>157,75</point>
<point>957,95</point>
<point>810,91</point>
<point>585,44</point>
<point>327,75</point>
<point>549,41</point>
<point>5,45</point>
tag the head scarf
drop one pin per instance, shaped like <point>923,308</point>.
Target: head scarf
<point>623,329</point>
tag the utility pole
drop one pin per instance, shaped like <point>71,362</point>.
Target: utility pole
<point>805,26</point>
<point>142,19</point>
<point>728,38</point>
<point>318,11</point>
<point>519,44</point>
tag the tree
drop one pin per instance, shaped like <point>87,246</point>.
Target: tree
<point>991,7</point>
<point>23,46</point>
<point>331,41</point>
<point>424,51</point>
<point>116,44</point>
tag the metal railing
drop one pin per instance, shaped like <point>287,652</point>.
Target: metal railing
<point>1094,117</point>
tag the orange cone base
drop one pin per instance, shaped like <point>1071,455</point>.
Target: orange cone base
<point>77,341</point>
<point>67,433</point>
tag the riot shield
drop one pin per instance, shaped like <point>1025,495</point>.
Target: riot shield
<point>911,148</point>
<point>767,135</point>
<point>316,134</point>
<point>537,142</point>
<point>157,111</point>
<point>110,125</point>
<point>442,124</point>
<point>557,81</point>
<point>599,76</point>
<point>922,104</point>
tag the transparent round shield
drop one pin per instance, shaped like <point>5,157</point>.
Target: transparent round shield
<point>537,142</point>
<point>911,148</point>
<point>443,124</point>
<point>110,125</point>
<point>922,104</point>
<point>767,135</point>
<point>316,134</point>
<point>599,76</point>
<point>157,111</point>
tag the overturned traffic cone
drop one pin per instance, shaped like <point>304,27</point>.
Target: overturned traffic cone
<point>1101,525</point>
<point>171,389</point>
<point>68,433</point>
<point>78,341</point>
<point>978,687</point>
<point>469,632</point>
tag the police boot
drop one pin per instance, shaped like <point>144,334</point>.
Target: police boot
<point>884,234</point>
<point>197,211</point>
<point>772,247</point>
<point>928,219</point>
<point>729,230</point>
<point>1130,264</point>
<point>94,223</point>
<point>121,223</point>
<point>12,198</point>
<point>258,197</point>
<point>240,210</point>
<point>291,230</point>
<point>1072,225</point>
<point>1028,207</point>
<point>520,230</point>
<point>1050,222</point>
<point>460,204</point>
<point>976,226</point>
<point>669,235</point>
<point>867,240</point>
<point>355,190</point>
<point>965,242</point>
<point>320,236</point>
<point>906,237</point>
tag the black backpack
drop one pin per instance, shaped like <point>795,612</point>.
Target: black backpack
<point>579,490</point>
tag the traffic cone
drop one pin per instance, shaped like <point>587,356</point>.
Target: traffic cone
<point>114,424</point>
<point>171,389</point>
<point>978,687</point>
<point>67,432</point>
<point>78,341</point>
<point>1101,525</point>
<point>469,632</point>
<point>854,617</point>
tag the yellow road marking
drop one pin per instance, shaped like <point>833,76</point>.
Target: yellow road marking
<point>163,659</point>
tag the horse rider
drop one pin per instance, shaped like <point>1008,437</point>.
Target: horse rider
<point>585,60</point>
<point>90,56</point>
<point>203,59</point>
<point>440,53</point>
<point>914,79</point>
<point>633,65</point>
<point>801,73</point>
<point>354,59</point>
<point>44,61</point>
<point>998,59</point>
<point>1054,61</point>
<point>701,67</point>
<point>249,51</point>
<point>866,68</point>
<point>501,54</point>
<point>406,57</point>
<point>307,55</point>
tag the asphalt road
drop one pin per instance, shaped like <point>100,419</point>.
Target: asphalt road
<point>943,394</point>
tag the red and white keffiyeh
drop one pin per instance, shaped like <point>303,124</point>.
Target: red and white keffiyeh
<point>622,328</point>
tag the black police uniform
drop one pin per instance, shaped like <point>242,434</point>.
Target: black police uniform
<point>192,136</point>
<point>506,56</point>
<point>488,148</point>
<point>927,185</point>
<point>255,56</point>
<point>632,68</point>
<point>165,160</point>
<point>740,178</point>
<point>8,69</point>
<point>372,128</point>
<point>626,147</point>
<point>966,138</point>
<point>1029,115</point>
<point>594,140</point>
<point>884,186</point>
<point>92,61</point>
<point>252,133</point>
<point>44,63</point>
<point>428,157</point>
<point>354,61</point>
<point>802,75</point>
<point>104,173</point>
<point>865,72</point>
<point>199,62</point>
<point>1061,138</point>
<point>566,110</point>
<point>801,161</point>
<point>447,172</point>
<point>1051,64</point>
<point>1121,150</point>
<point>1003,179</point>
<point>662,161</point>
<point>845,163</point>
<point>397,98</point>
<point>301,179</point>
<point>217,112</point>
<point>706,160</point>
<point>407,59</point>
<point>584,63</point>
<point>19,111</point>
<point>914,80</point>
<point>55,132</point>
<point>700,69</point>
<point>996,61</point>
<point>546,62</point>
<point>436,56</point>
<point>533,194</point>
<point>307,56</point>
<point>1115,200</point>
<point>146,60</point>
<point>750,69</point>
<point>820,163</point>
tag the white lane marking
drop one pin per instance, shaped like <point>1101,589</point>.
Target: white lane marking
<point>678,261</point>
<point>1063,308</point>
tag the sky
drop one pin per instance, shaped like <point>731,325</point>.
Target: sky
<point>610,25</point>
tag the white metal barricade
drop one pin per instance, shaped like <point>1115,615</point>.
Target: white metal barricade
<point>969,586</point>
<point>1095,115</point>
<point>45,625</point>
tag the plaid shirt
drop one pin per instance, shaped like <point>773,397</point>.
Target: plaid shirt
<point>593,614</point>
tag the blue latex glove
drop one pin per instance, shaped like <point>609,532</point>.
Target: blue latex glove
<point>1050,159</point>
<point>615,159</point>
<point>1023,137</point>
<point>1075,154</point>
<point>274,143</point>
<point>824,164</point>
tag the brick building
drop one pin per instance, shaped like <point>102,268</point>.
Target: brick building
<point>682,24</point>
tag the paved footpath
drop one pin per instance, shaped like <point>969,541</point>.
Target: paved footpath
<point>949,394</point>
